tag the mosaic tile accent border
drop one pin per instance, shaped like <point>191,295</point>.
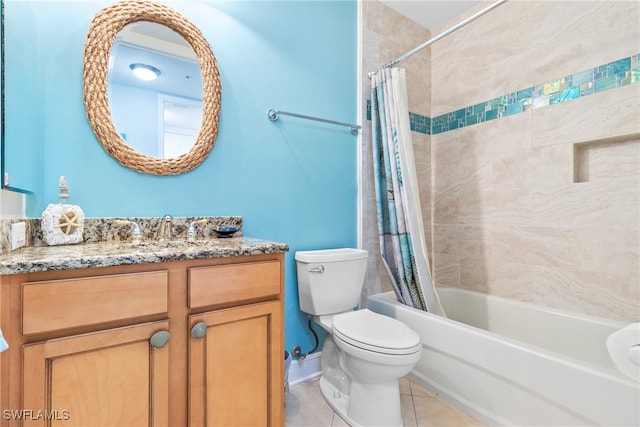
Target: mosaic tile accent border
<point>417,122</point>
<point>420,124</point>
<point>598,79</point>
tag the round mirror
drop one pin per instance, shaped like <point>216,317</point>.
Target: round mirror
<point>168,123</point>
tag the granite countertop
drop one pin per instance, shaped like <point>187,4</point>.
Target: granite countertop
<point>103,254</point>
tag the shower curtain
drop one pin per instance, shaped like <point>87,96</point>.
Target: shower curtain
<point>400,226</point>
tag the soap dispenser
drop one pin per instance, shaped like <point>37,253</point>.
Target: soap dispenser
<point>62,223</point>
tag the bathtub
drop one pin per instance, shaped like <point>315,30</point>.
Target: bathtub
<point>515,364</point>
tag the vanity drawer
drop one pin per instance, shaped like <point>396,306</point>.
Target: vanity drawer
<point>60,304</point>
<point>226,284</point>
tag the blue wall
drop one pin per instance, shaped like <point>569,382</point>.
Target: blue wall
<point>292,180</point>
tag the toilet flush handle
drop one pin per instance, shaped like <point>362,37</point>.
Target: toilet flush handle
<point>318,269</point>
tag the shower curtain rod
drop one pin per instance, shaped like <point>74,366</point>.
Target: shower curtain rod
<point>445,33</point>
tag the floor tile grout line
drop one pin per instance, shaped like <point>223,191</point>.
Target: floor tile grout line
<point>413,404</point>
<point>414,392</point>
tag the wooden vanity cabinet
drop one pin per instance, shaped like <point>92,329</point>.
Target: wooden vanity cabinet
<point>239,348</point>
<point>235,355</point>
<point>107,378</point>
<point>197,343</point>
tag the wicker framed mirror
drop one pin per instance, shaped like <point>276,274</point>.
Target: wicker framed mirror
<point>102,33</point>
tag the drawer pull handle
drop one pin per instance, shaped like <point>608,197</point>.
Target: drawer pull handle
<point>160,339</point>
<point>199,330</point>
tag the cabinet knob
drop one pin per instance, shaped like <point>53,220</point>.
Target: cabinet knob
<point>160,339</point>
<point>199,330</point>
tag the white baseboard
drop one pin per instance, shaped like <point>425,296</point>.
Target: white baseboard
<point>302,370</point>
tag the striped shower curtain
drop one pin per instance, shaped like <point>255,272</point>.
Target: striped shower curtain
<point>400,226</point>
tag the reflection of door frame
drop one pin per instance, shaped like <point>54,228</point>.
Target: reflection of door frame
<point>187,102</point>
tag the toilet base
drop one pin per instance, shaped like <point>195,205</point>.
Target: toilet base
<point>339,402</point>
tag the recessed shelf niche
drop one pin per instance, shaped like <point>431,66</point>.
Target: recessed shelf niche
<point>606,158</point>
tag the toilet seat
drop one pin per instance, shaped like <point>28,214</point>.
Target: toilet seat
<point>375,332</point>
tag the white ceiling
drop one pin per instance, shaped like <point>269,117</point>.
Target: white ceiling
<point>430,14</point>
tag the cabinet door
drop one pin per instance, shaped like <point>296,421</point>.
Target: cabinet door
<point>113,378</point>
<point>236,368</point>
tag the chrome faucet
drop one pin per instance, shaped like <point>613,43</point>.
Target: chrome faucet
<point>136,232</point>
<point>192,231</point>
<point>164,229</point>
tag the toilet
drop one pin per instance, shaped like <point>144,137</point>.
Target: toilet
<point>365,353</point>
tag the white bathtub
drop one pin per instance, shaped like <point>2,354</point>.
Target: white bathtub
<point>515,364</point>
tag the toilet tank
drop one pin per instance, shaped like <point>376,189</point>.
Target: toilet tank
<point>330,280</point>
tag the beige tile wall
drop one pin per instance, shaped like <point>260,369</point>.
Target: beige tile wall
<point>522,43</point>
<point>542,206</point>
<point>509,217</point>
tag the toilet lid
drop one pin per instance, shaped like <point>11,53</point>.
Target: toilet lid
<point>375,332</point>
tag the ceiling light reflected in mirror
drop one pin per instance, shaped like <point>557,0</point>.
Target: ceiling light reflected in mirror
<point>145,72</point>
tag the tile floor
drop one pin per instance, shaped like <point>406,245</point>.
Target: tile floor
<point>307,408</point>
